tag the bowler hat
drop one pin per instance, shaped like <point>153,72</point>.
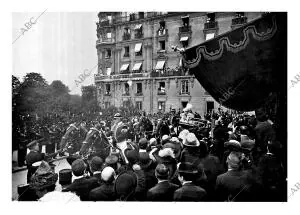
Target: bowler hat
<point>187,168</point>
<point>125,185</point>
<point>145,160</point>
<point>132,155</point>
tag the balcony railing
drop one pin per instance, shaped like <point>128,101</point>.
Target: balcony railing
<point>162,32</point>
<point>167,73</point>
<point>160,92</point>
<point>184,93</point>
<point>184,29</point>
<point>104,40</point>
<point>121,19</point>
<point>239,20</point>
<point>121,76</point>
<point>138,35</point>
<point>210,25</point>
<point>138,94</point>
<point>126,36</point>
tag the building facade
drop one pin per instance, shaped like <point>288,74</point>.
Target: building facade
<point>137,64</point>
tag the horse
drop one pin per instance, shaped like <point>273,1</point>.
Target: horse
<point>163,128</point>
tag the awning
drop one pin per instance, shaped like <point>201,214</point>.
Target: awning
<point>137,66</point>
<point>108,71</point>
<point>138,26</point>
<point>243,72</point>
<point>124,67</point>
<point>160,64</point>
<point>184,39</point>
<point>138,47</point>
<point>209,36</point>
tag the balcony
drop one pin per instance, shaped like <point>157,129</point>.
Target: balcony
<point>185,29</point>
<point>126,36</point>
<point>161,92</point>
<point>210,25</point>
<point>239,20</point>
<point>104,23</point>
<point>162,32</point>
<point>104,41</point>
<point>138,35</point>
<point>184,93</point>
<point>121,76</point>
<point>167,73</point>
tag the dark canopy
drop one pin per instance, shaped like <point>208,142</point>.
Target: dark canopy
<point>242,68</point>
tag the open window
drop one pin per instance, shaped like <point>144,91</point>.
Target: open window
<point>107,89</point>
<point>107,53</point>
<point>162,45</point>
<point>138,49</point>
<point>184,41</point>
<point>161,88</point>
<point>126,89</point>
<point>126,51</point>
<point>139,88</point>
<point>124,68</point>
<point>137,67</point>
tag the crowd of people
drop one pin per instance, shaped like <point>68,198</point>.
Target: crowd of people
<point>226,157</point>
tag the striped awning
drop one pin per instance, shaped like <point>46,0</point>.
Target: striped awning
<point>124,67</point>
<point>160,64</point>
<point>138,47</point>
<point>137,66</point>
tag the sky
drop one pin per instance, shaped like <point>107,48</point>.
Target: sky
<point>59,46</point>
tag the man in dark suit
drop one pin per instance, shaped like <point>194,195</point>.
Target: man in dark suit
<point>96,167</point>
<point>189,191</point>
<point>163,190</point>
<point>232,185</point>
<point>106,191</point>
<point>82,185</point>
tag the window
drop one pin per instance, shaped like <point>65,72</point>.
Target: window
<point>138,49</point>
<point>126,89</point>
<point>184,41</point>
<point>108,35</point>
<point>211,17</point>
<point>141,15</point>
<point>161,106</point>
<point>185,20</point>
<point>126,51</point>
<point>138,31</point>
<point>109,19</point>
<point>162,28</point>
<point>161,88</point>
<point>239,14</point>
<point>107,89</point>
<point>162,45</point>
<point>162,24</point>
<point>139,88</point>
<point>131,17</point>
<point>185,87</point>
<point>137,67</point>
<point>126,35</point>
<point>160,65</point>
<point>107,53</point>
<point>108,71</point>
<point>139,105</point>
<point>106,105</point>
<point>125,68</point>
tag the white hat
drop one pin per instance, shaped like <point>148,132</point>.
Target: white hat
<point>191,140</point>
<point>107,173</point>
<point>152,141</point>
<point>182,135</point>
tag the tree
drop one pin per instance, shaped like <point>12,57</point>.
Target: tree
<point>58,88</point>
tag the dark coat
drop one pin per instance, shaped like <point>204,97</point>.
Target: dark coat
<point>150,179</point>
<point>162,192</point>
<point>103,193</point>
<point>98,177</point>
<point>263,132</point>
<point>31,158</point>
<point>82,187</point>
<point>189,192</point>
<point>232,186</point>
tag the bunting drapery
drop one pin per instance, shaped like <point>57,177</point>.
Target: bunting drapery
<point>243,67</point>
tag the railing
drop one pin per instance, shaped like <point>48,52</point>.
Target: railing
<point>184,93</point>
<point>162,32</point>
<point>126,36</point>
<point>104,40</point>
<point>184,29</point>
<point>239,20</point>
<point>210,25</point>
<point>121,76</point>
<point>138,94</point>
<point>160,92</point>
<point>121,19</point>
<point>167,73</point>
